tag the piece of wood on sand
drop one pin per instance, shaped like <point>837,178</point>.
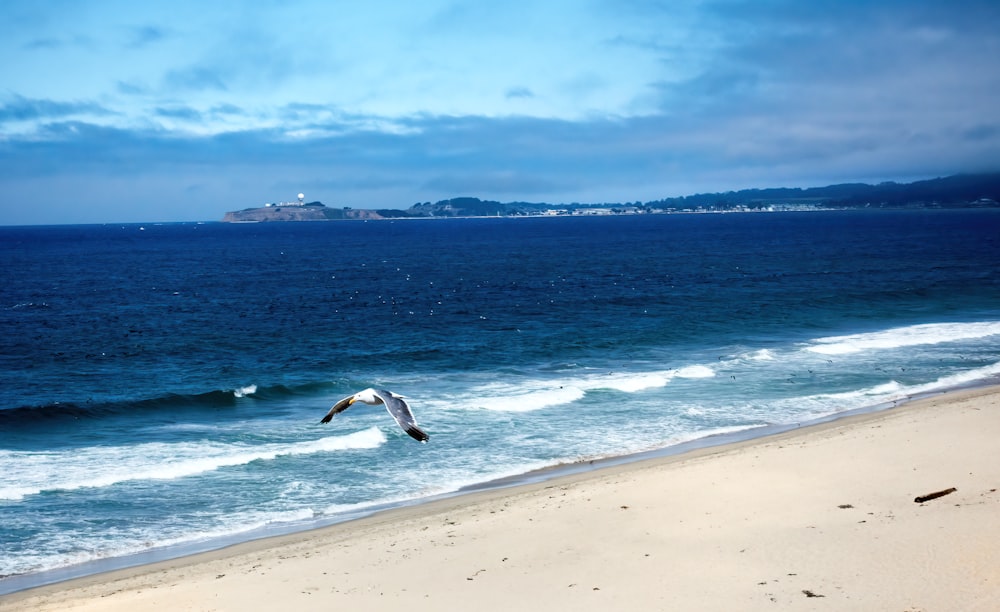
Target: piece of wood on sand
<point>936,494</point>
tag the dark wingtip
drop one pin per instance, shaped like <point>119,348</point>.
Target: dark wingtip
<point>418,435</point>
<point>326,419</point>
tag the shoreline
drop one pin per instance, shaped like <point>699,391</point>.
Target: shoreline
<point>20,582</point>
<point>376,533</point>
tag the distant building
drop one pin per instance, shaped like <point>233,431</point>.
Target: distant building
<point>299,202</point>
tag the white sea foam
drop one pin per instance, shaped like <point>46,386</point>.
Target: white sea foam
<point>244,391</point>
<point>445,481</point>
<point>628,383</point>
<point>857,398</point>
<point>30,473</point>
<point>695,371</point>
<point>249,521</point>
<point>914,335</point>
<point>534,394</point>
<point>893,391</point>
<point>77,550</point>
<point>890,387</point>
<point>955,380</point>
<point>525,400</point>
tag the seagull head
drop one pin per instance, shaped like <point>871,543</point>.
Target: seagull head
<point>366,396</point>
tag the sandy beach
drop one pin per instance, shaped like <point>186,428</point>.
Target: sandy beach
<point>820,518</point>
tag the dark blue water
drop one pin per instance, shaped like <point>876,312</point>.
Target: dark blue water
<point>163,384</point>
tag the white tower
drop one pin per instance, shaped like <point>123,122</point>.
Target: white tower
<point>301,198</point>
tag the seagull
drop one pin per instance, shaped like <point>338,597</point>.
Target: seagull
<point>394,403</point>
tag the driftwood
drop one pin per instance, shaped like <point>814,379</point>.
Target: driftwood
<point>936,494</point>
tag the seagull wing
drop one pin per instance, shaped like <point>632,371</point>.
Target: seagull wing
<point>400,410</point>
<point>340,406</point>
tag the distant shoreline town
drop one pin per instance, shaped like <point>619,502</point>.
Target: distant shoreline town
<point>959,191</point>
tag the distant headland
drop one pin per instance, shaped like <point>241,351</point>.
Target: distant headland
<point>958,191</point>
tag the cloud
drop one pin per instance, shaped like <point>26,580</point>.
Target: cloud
<point>224,109</point>
<point>194,78</point>
<point>129,88</point>
<point>20,108</point>
<point>519,92</point>
<point>43,43</point>
<point>179,112</point>
<point>982,132</point>
<point>143,36</point>
<point>497,184</point>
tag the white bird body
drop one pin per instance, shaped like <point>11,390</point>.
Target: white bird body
<point>394,403</point>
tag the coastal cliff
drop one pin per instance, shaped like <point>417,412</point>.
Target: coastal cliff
<point>314,211</point>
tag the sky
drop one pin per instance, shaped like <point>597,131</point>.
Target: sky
<point>122,111</point>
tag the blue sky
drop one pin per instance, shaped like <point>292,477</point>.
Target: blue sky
<point>123,111</point>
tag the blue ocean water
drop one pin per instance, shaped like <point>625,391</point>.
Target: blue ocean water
<point>161,386</point>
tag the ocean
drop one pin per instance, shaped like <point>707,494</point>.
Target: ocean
<point>162,385</point>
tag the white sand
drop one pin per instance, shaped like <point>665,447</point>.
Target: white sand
<point>822,518</point>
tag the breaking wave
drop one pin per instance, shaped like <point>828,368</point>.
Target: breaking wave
<point>914,335</point>
<point>31,473</point>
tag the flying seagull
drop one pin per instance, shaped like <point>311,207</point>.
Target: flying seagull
<point>394,403</point>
